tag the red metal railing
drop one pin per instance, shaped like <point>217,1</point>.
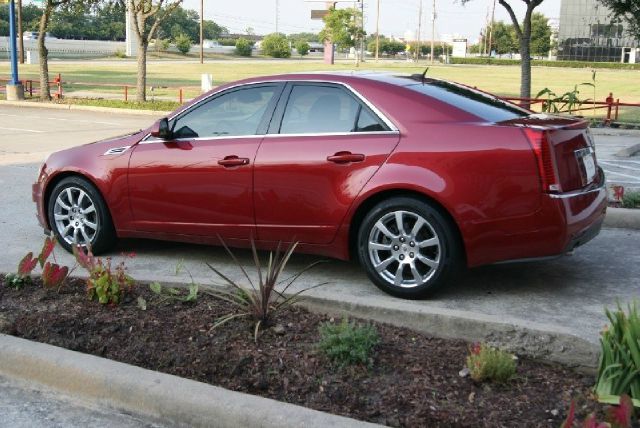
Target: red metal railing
<point>611,105</point>
<point>30,89</point>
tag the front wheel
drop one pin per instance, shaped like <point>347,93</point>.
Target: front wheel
<point>407,247</point>
<point>78,215</point>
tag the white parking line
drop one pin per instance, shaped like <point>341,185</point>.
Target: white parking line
<point>610,164</point>
<point>60,119</point>
<point>22,130</point>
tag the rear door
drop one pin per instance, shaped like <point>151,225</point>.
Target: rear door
<point>324,144</point>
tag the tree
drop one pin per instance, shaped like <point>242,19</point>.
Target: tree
<point>276,45</point>
<point>302,47</point>
<point>627,11</point>
<point>523,32</point>
<point>504,39</point>
<point>243,47</point>
<point>147,17</point>
<point>341,27</point>
<point>540,35</point>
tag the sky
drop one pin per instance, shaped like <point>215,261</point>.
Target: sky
<point>397,17</point>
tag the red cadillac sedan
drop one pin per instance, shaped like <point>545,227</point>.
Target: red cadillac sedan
<point>414,177</point>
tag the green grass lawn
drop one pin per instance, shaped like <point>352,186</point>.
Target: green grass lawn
<point>501,80</point>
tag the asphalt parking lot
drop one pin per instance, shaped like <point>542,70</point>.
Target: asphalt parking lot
<point>569,293</point>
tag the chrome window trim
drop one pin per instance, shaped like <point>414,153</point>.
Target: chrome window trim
<point>350,88</point>
<point>151,140</point>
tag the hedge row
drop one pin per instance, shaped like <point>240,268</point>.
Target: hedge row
<point>545,63</point>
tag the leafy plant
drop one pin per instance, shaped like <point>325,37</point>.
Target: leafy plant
<point>261,301</point>
<point>618,416</point>
<point>53,275</point>
<point>183,43</point>
<point>176,294</point>
<point>119,53</point>
<point>619,369</point>
<point>276,45</point>
<point>490,364</point>
<point>243,47</point>
<point>302,46</point>
<point>631,200</point>
<point>348,343</point>
<point>106,284</point>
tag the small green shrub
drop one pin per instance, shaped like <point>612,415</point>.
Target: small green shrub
<point>545,63</point>
<point>276,45</point>
<point>105,284</point>
<point>183,43</point>
<point>489,364</point>
<point>243,47</point>
<point>302,47</point>
<point>16,281</point>
<point>119,53</point>
<point>175,294</point>
<point>619,369</point>
<point>348,343</point>
<point>631,200</point>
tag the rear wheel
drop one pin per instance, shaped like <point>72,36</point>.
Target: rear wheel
<point>78,215</point>
<point>407,247</point>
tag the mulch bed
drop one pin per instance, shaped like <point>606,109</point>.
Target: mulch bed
<point>414,379</point>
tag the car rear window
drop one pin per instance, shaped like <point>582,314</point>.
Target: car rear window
<point>485,106</point>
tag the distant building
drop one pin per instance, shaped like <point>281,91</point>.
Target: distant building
<point>587,32</point>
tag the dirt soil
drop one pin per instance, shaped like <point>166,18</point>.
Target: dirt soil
<point>414,379</point>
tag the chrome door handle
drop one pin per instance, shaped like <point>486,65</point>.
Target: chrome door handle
<point>346,157</point>
<point>230,161</point>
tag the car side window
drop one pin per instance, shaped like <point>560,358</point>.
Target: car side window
<point>234,113</point>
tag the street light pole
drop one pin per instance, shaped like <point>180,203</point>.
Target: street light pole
<point>378,30</point>
<point>418,47</point>
<point>15,91</point>
<point>201,31</point>
<point>433,29</point>
<point>20,41</point>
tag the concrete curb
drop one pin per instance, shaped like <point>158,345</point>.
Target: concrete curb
<point>541,342</point>
<point>629,151</point>
<point>169,399</point>
<point>53,106</point>
<point>622,218</point>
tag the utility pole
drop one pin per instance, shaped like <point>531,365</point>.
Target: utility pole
<point>277,14</point>
<point>20,41</point>
<point>201,31</point>
<point>362,30</point>
<point>377,30</point>
<point>418,47</point>
<point>493,17</point>
<point>433,29</point>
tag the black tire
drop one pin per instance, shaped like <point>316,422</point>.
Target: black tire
<point>80,216</point>
<point>424,270</point>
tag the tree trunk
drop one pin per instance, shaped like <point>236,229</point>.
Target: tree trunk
<point>45,93</point>
<point>525,57</point>
<point>20,40</point>
<point>141,87</point>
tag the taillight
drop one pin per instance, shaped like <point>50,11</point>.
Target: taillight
<point>541,149</point>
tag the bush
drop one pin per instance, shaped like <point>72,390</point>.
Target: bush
<point>119,53</point>
<point>276,45</point>
<point>183,43</point>
<point>487,363</point>
<point>348,343</point>
<point>302,47</point>
<point>243,47</point>
<point>619,368</point>
<point>631,200</point>
<point>104,284</point>
<point>545,63</point>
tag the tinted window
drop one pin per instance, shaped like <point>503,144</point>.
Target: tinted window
<point>479,104</point>
<point>315,109</point>
<point>234,113</point>
<point>367,122</point>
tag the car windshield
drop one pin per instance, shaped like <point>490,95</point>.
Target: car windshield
<point>485,106</point>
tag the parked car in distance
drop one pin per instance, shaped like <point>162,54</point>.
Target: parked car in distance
<point>33,35</point>
<point>415,177</point>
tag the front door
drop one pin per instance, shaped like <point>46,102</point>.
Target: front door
<point>200,182</point>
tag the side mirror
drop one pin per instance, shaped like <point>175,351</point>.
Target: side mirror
<point>161,129</point>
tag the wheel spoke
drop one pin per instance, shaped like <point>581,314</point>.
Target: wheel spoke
<point>427,261</point>
<point>399,223</point>
<point>70,196</point>
<point>383,264</point>
<point>397,281</point>
<point>75,236</point>
<point>416,227</point>
<point>431,242</point>
<point>93,226</point>
<point>415,273</point>
<point>90,209</point>
<point>379,247</point>
<point>85,236</point>
<point>61,204</point>
<point>60,217</point>
<point>81,197</point>
<point>382,228</point>
<point>65,230</point>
